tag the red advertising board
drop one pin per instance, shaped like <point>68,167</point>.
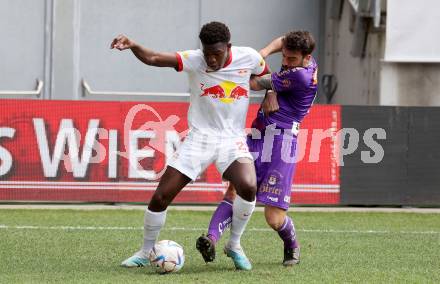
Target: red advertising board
<point>116,152</point>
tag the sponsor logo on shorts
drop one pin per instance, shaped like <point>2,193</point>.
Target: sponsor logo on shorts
<point>270,189</point>
<point>287,198</point>
<point>272,180</point>
<point>273,199</point>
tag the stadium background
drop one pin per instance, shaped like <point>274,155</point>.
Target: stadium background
<point>378,68</point>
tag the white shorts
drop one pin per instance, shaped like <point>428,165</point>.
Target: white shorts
<point>198,151</point>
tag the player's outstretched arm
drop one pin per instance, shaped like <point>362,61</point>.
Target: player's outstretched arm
<point>147,56</point>
<point>273,47</point>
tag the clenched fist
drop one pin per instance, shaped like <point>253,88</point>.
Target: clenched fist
<point>122,42</point>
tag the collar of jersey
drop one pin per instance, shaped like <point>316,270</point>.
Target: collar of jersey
<point>229,60</point>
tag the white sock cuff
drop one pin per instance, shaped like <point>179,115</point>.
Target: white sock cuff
<point>241,208</point>
<point>155,218</point>
<point>240,200</point>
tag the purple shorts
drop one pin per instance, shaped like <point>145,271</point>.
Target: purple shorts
<point>275,166</point>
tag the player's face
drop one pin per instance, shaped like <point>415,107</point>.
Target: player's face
<point>292,59</point>
<point>216,55</point>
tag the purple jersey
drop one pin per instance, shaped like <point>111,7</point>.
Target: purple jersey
<point>296,90</point>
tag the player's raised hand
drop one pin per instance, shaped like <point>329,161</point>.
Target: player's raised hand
<point>121,42</point>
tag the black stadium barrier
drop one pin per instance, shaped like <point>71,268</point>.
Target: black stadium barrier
<point>409,174</point>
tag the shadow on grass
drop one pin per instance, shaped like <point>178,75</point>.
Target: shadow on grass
<point>204,269</point>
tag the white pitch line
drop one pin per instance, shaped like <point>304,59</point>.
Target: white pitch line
<point>100,228</point>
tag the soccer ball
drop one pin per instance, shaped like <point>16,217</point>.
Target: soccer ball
<point>166,257</point>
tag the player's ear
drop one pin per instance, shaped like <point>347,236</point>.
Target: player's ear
<point>229,45</point>
<point>308,57</point>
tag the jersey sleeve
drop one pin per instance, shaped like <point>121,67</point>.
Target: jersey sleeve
<point>188,60</point>
<point>259,64</point>
<point>285,80</point>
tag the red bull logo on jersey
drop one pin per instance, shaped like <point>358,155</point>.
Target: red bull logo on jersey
<point>226,92</point>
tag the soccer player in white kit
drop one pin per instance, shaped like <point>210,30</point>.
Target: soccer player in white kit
<point>219,80</point>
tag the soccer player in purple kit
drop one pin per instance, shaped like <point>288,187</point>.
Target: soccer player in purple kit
<point>290,95</point>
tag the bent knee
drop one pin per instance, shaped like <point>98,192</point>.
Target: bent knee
<point>250,183</point>
<point>248,191</point>
<point>274,223</point>
<point>247,188</point>
<point>274,217</point>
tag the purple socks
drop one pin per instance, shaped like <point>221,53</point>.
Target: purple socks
<point>220,220</point>
<point>287,233</point>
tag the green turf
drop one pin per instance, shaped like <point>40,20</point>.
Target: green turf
<point>336,247</point>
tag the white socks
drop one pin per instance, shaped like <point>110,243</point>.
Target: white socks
<point>153,222</point>
<point>241,213</point>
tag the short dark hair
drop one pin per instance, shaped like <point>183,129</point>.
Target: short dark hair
<point>214,32</point>
<point>302,41</point>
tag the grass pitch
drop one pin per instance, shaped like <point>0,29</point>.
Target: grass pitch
<point>73,246</point>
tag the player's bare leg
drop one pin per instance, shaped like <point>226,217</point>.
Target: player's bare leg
<point>169,186</point>
<point>220,221</point>
<point>241,174</point>
<point>278,220</point>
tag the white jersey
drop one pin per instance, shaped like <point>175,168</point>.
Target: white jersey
<point>219,99</point>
